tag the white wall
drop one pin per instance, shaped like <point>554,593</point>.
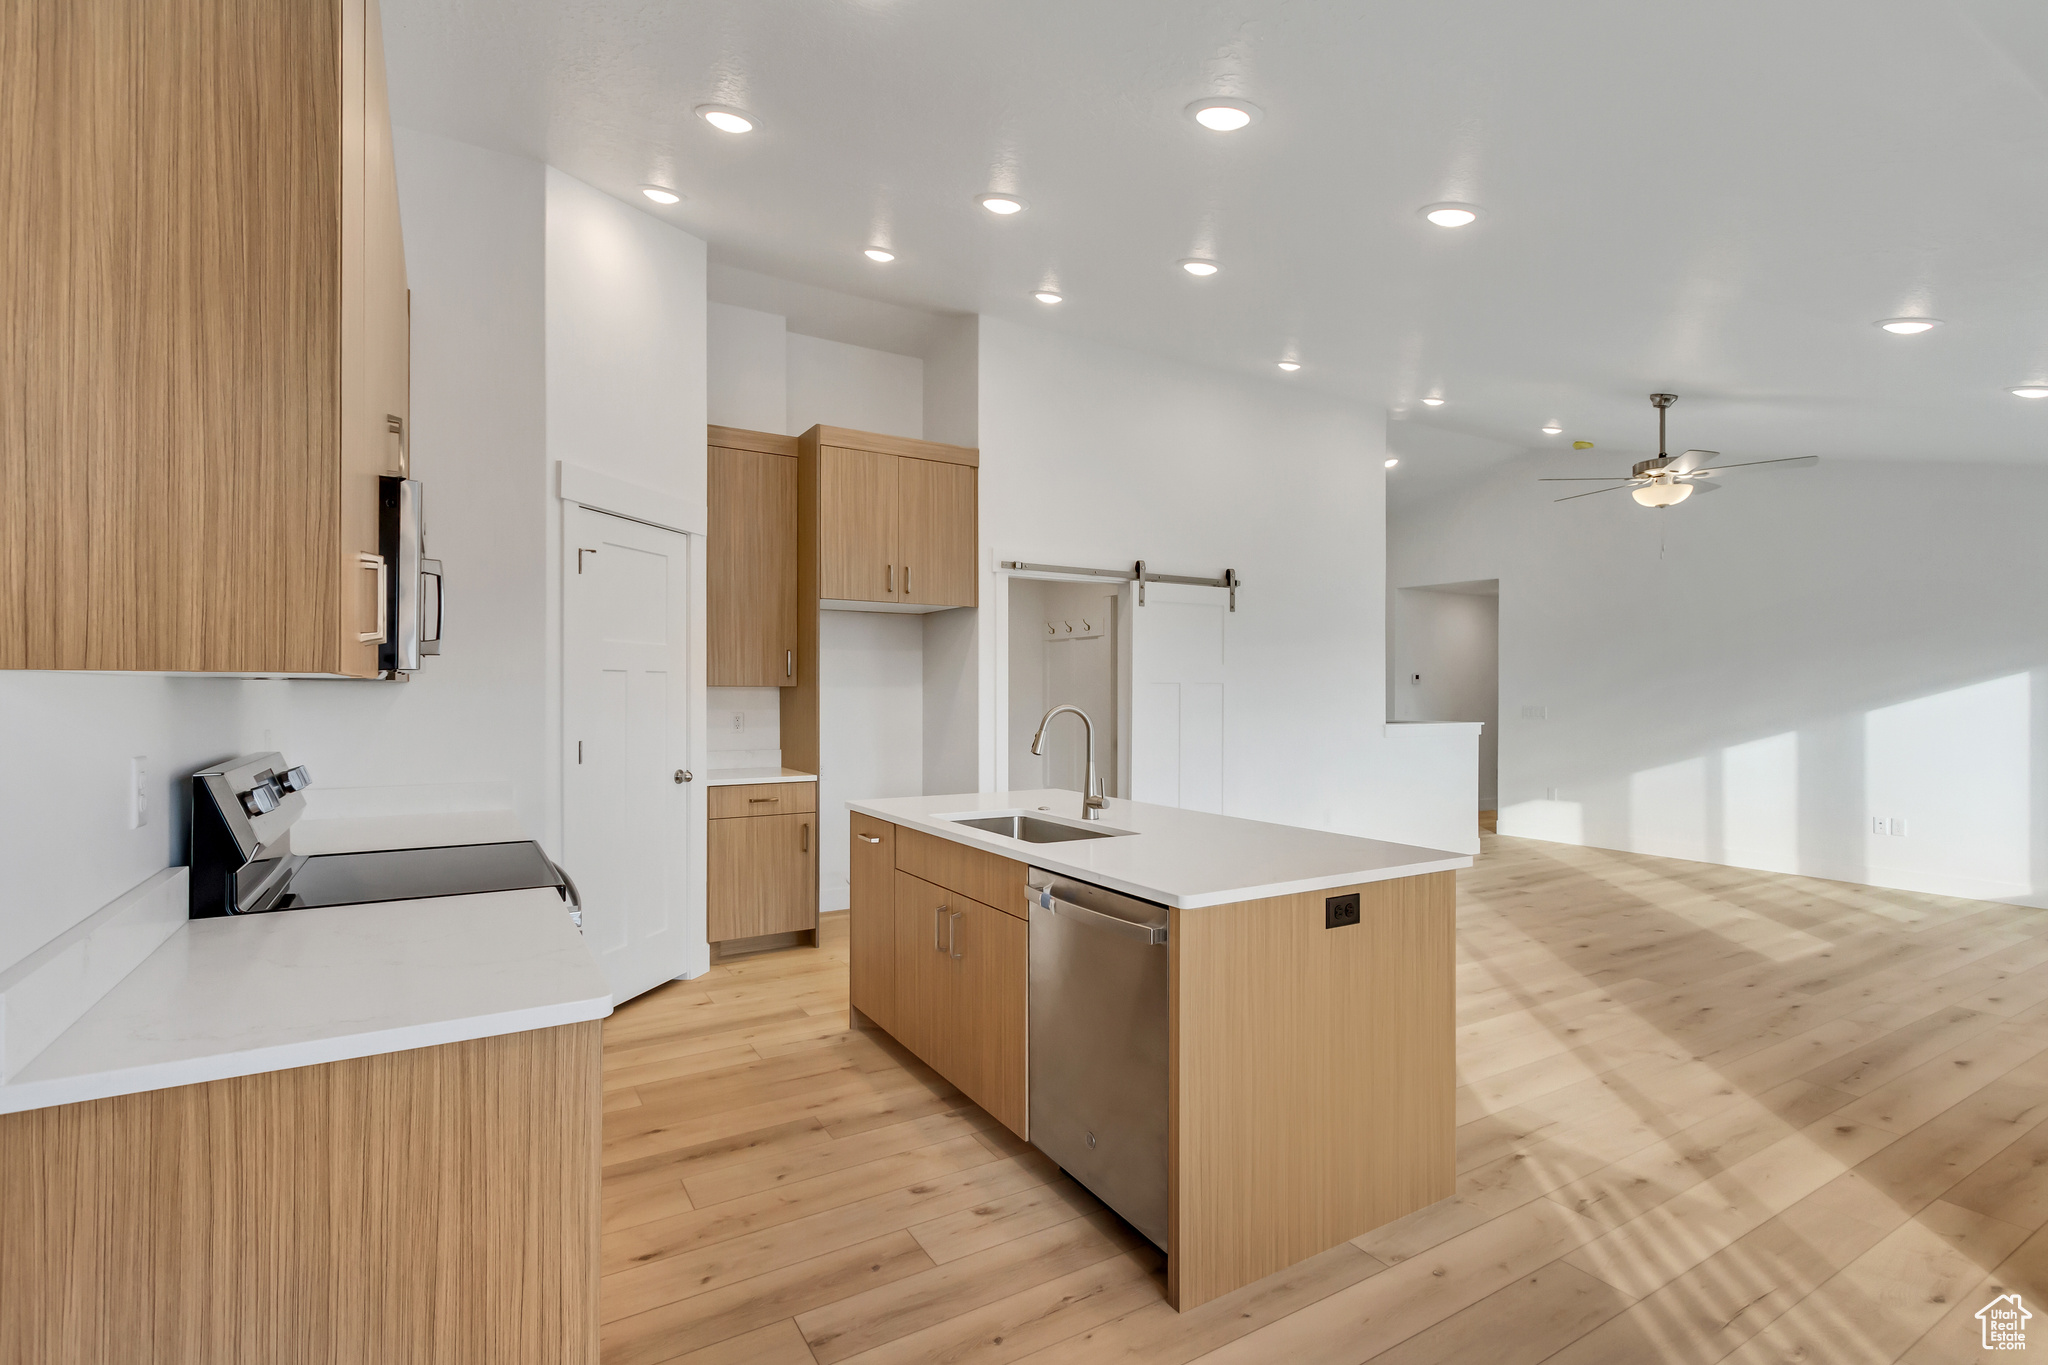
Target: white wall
<point>870,723</point>
<point>1450,640</point>
<point>476,261</point>
<point>1751,677</point>
<point>842,385</point>
<point>747,375</point>
<point>1097,456</point>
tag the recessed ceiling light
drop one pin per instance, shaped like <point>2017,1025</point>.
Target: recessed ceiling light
<point>875,253</point>
<point>1552,430</point>
<point>1290,365</point>
<point>1223,115</point>
<point>1906,327</point>
<point>1046,296</point>
<point>660,194</point>
<point>726,119</point>
<point>2031,391</point>
<point>1004,204</point>
<point>1195,265</point>
<point>1432,402</point>
<point>1450,215</point>
<point>1392,462</point>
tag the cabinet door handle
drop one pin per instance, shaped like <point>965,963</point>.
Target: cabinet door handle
<point>762,800</point>
<point>870,838</point>
<point>376,562</point>
<point>953,936</point>
<point>906,580</point>
<point>938,917</point>
<point>889,577</point>
<point>789,663</point>
<point>807,837</point>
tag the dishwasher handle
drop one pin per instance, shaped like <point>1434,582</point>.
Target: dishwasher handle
<point>1154,934</point>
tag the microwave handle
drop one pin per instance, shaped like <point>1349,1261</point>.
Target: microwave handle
<point>430,606</point>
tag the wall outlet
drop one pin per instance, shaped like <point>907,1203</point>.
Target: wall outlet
<point>1899,826</point>
<point>138,791</point>
<point>1553,793</point>
<point>1339,911</point>
<point>1535,713</point>
<point>739,721</point>
<point>1877,824</point>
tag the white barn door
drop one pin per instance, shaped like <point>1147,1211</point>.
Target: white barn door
<point>1175,724</point>
<point>626,814</point>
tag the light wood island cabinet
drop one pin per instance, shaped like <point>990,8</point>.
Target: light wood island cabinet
<point>206,365</point>
<point>1311,1066</point>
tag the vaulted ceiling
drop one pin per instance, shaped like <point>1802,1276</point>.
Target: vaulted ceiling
<point>1715,199</point>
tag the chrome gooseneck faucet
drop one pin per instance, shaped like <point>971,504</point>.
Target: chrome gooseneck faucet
<point>1092,802</point>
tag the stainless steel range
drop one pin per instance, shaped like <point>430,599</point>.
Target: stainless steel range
<point>243,864</point>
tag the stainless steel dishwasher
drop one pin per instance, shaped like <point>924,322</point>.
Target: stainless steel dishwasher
<point>1098,1043</point>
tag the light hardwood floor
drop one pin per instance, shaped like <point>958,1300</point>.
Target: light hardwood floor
<point>1706,1114</point>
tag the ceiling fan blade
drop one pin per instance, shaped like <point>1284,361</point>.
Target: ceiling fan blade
<point>1585,479</point>
<point>1745,464</point>
<point>1701,485</point>
<point>1592,491</point>
<point>1693,459</point>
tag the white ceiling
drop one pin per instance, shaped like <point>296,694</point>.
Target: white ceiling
<point>1715,199</point>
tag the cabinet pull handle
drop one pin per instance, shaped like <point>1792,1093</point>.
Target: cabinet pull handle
<point>376,636</point>
<point>953,936</point>
<point>871,838</point>
<point>758,800</point>
<point>938,915</point>
<point>789,663</point>
<point>889,577</point>
<point>807,838</point>
<point>906,580</point>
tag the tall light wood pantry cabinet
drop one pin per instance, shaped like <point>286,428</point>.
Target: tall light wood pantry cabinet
<point>205,357</point>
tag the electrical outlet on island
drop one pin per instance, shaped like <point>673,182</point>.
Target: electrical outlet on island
<point>1339,911</point>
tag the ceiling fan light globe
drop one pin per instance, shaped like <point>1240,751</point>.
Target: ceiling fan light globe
<point>1662,493</point>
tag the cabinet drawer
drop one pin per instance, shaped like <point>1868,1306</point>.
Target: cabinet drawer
<point>764,798</point>
<point>987,877</point>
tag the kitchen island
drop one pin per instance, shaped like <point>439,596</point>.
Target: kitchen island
<point>1305,981</point>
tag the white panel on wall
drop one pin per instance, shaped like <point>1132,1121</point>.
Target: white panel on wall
<point>854,386</point>
<point>870,729</point>
<point>747,375</point>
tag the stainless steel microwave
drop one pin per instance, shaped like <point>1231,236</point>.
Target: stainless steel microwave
<point>412,583</point>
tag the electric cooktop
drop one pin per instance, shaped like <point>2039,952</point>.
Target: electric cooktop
<point>404,874</point>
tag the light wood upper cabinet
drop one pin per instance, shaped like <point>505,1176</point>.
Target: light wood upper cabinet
<point>858,556</point>
<point>896,519</point>
<point>936,532</point>
<point>752,581</point>
<point>194,418</point>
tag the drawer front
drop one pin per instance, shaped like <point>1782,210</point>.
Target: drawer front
<point>986,877</point>
<point>763,798</point>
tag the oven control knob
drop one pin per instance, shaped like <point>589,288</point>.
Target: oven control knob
<point>260,799</point>
<point>295,779</point>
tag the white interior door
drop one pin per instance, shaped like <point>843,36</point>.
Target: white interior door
<point>625,720</point>
<point>1175,722</point>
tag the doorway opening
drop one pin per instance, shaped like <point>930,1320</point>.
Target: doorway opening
<point>1446,667</point>
<point>1063,639</point>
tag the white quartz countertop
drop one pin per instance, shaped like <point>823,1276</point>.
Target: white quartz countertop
<point>1183,858</point>
<point>242,995</point>
<point>741,777</point>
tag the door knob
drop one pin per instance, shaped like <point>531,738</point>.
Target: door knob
<point>684,775</point>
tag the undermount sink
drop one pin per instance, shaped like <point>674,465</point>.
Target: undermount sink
<point>1032,830</point>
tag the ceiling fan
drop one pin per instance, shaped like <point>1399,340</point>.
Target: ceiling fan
<point>1667,481</point>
